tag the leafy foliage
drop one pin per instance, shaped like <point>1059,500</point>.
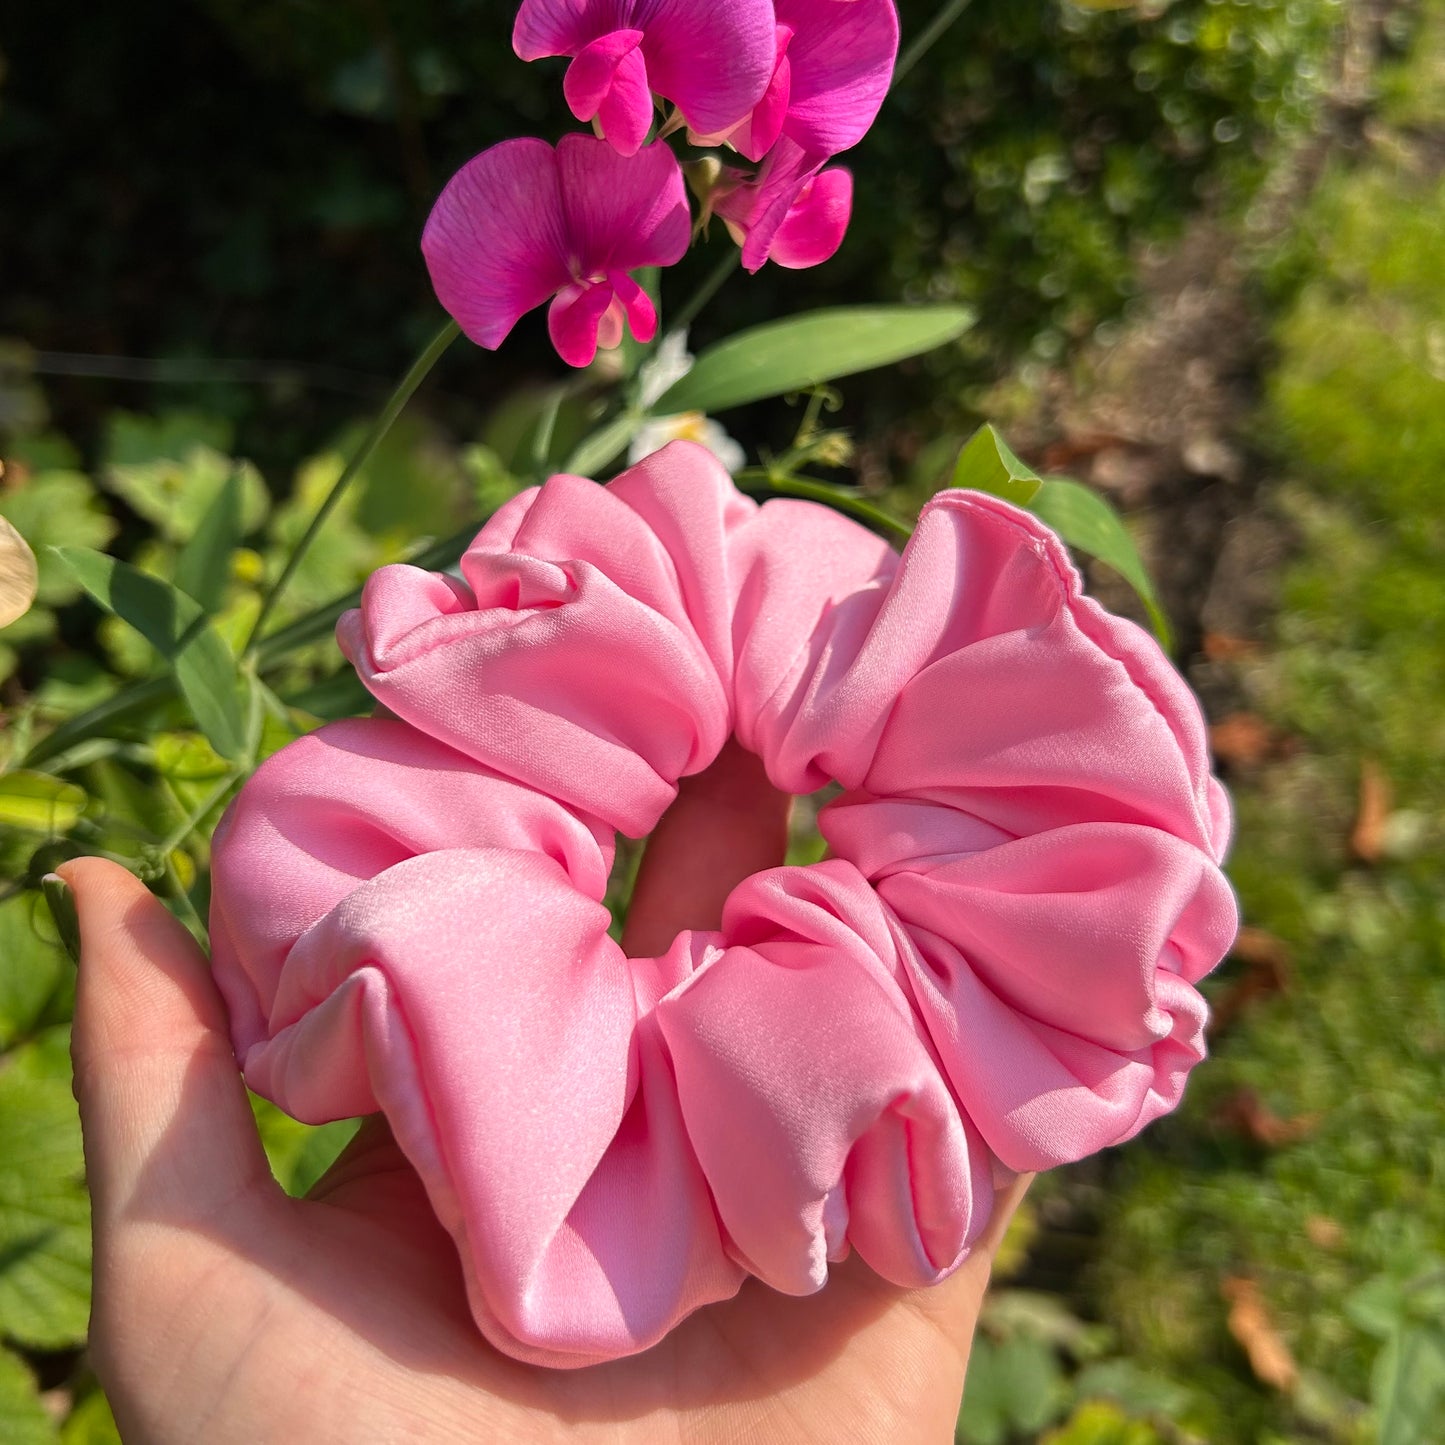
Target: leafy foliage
<point>44,1210</point>
<point>23,1418</point>
<point>1017,173</point>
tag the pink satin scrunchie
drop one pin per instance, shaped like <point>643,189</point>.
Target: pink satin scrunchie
<point>992,972</point>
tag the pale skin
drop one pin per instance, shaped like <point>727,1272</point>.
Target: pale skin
<point>227,1312</point>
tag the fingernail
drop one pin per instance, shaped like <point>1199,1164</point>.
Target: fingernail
<point>62,909</point>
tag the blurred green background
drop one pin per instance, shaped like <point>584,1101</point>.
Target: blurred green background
<point>1206,244</point>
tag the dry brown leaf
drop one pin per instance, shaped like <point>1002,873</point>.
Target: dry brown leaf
<point>1323,1232</point>
<point>1221,647</point>
<point>18,578</point>
<point>1068,453</point>
<point>1267,972</point>
<point>1242,740</point>
<point>1250,1115</point>
<point>1367,838</point>
<point>1255,1331</point>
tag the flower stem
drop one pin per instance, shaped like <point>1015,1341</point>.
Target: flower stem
<point>193,820</point>
<point>711,285</point>
<point>927,36</point>
<point>759,479</point>
<point>383,424</point>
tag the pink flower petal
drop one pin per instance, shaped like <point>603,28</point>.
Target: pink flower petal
<point>622,212</point>
<point>574,320</point>
<point>758,134</point>
<point>496,241</point>
<point>782,195</point>
<point>608,80</point>
<point>714,60</point>
<point>522,222</point>
<point>841,57</point>
<point>641,313</point>
<point>816,222</point>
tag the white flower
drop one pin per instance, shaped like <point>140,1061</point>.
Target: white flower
<point>689,426</point>
<point>664,368</point>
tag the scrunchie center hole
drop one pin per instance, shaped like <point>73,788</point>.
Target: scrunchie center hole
<point>727,823</point>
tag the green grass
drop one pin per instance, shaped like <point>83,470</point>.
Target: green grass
<point>1356,415</point>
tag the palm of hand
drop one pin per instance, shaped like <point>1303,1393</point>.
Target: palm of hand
<point>225,1311</point>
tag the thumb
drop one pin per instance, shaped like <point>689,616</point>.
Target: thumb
<point>954,1305</point>
<point>168,1129</point>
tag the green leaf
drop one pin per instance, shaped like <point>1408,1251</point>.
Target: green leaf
<point>31,966</point>
<point>39,803</point>
<point>1408,1386</point>
<point>171,469</point>
<point>604,446</point>
<point>177,628</point>
<point>1086,521</point>
<point>987,464</point>
<point>188,758</point>
<point>1132,1386</point>
<point>803,351</point>
<point>341,695</point>
<point>1014,1387</point>
<point>91,1423</point>
<point>299,1153</point>
<point>203,567</point>
<point>1098,1422</point>
<point>24,1420</point>
<point>55,509</point>
<point>44,1212</point>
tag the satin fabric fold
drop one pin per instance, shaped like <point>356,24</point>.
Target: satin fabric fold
<point>994,971</point>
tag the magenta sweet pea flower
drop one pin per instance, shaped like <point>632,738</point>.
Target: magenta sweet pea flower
<point>833,65</point>
<point>713,61</point>
<point>521,223</point>
<point>792,212</point>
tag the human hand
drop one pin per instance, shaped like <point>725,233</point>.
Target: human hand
<point>226,1311</point>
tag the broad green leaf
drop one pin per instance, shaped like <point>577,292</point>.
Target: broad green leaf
<point>1388,1302</point>
<point>203,567</point>
<point>1132,1386</point>
<point>299,1153</point>
<point>803,351</point>
<point>177,628</point>
<point>604,446</point>
<point>1099,1422</point>
<point>39,803</point>
<point>341,695</point>
<point>413,485</point>
<point>170,470</point>
<point>32,967</point>
<point>1086,521</point>
<point>44,1212</point>
<point>24,1420</point>
<point>512,429</point>
<point>1408,1386</point>
<point>1013,1387</point>
<point>91,1423</point>
<point>987,464</point>
<point>343,556</point>
<point>188,758</point>
<point>490,481</point>
<point>55,509</point>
